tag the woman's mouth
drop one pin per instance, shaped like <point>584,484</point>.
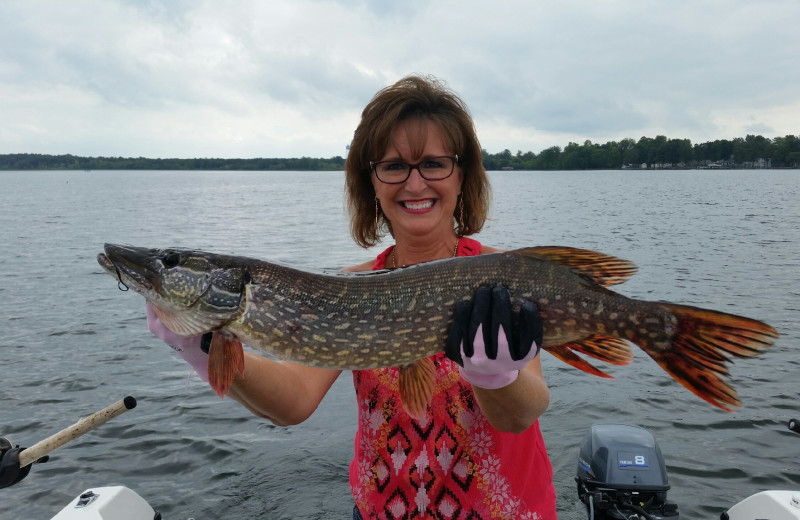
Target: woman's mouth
<point>418,205</point>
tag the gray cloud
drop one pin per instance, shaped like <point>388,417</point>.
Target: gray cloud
<point>289,78</point>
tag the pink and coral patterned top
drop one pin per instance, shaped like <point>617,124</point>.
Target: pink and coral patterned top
<point>451,464</point>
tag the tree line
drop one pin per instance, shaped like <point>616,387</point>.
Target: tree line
<point>34,161</point>
<point>753,151</point>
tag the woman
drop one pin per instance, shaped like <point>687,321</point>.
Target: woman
<point>414,170</point>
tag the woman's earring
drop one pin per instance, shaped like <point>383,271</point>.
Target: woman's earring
<point>376,212</point>
<point>461,211</point>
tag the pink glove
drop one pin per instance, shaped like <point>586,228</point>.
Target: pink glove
<point>480,342</point>
<point>481,371</point>
<point>187,348</point>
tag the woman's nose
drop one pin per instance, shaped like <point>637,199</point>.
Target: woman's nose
<point>415,179</point>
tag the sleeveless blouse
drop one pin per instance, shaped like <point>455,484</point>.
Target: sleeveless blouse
<point>450,464</point>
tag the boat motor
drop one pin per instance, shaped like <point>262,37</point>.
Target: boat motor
<point>621,475</point>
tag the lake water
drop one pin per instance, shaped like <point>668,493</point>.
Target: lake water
<point>72,343</point>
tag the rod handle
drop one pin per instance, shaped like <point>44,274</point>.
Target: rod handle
<point>70,433</point>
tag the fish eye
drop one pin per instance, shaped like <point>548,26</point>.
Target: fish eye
<point>171,259</point>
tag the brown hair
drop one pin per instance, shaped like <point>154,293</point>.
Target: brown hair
<point>413,98</point>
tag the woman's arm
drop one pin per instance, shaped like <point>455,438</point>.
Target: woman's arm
<point>285,393</point>
<point>497,349</point>
<point>514,408</point>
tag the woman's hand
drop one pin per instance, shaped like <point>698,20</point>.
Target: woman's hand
<point>490,342</point>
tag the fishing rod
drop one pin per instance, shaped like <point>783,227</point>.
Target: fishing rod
<point>15,462</point>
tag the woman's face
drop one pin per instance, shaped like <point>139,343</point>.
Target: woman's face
<point>418,207</point>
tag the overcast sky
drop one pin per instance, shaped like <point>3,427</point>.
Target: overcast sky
<point>288,78</point>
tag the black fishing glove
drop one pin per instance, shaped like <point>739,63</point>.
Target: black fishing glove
<point>10,472</point>
<point>489,358</point>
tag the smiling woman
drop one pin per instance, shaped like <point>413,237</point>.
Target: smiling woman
<point>415,171</point>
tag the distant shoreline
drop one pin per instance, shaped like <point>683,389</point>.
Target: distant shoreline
<point>659,153</point>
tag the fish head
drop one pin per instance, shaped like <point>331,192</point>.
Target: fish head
<point>191,292</point>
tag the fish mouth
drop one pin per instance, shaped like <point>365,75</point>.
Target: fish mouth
<point>106,263</point>
<point>111,269</point>
<point>129,265</point>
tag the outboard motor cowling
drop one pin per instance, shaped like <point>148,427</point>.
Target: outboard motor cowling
<point>621,475</point>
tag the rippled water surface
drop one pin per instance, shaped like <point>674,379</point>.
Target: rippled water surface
<point>72,343</point>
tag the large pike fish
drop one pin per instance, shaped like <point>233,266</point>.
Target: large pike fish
<point>401,317</point>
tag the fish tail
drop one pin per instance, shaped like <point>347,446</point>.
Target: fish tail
<point>702,344</point>
<point>225,360</point>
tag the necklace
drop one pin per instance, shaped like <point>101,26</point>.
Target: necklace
<point>394,258</point>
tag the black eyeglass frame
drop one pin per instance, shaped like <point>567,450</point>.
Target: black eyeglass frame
<point>373,166</point>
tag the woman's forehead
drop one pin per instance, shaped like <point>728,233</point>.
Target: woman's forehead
<point>414,137</point>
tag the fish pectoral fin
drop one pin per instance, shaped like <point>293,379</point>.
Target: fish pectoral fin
<point>614,351</point>
<point>185,323</point>
<point>598,267</point>
<point>225,360</point>
<point>416,386</point>
<point>565,354</point>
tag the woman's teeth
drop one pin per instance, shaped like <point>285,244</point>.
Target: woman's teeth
<point>418,205</point>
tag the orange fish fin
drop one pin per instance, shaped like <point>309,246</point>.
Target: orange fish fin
<point>225,360</point>
<point>416,386</point>
<point>703,343</point>
<point>600,268</point>
<point>565,354</point>
<point>614,351</point>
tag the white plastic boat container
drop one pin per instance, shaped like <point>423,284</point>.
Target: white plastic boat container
<point>108,503</point>
<point>772,505</point>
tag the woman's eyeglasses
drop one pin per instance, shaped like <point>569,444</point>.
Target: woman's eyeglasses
<point>431,169</point>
